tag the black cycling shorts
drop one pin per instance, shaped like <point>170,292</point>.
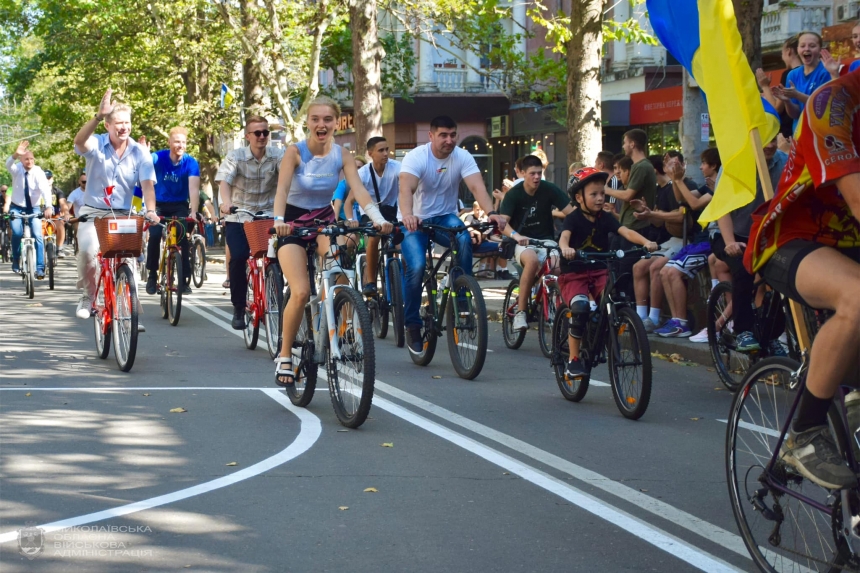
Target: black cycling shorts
<point>780,271</point>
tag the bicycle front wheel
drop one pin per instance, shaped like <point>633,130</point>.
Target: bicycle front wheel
<point>175,286</point>
<point>731,365</point>
<point>101,323</point>
<point>546,320</point>
<point>630,364</point>
<point>573,389</point>
<point>428,315</point>
<point>124,324</point>
<point>274,296</point>
<point>302,391</point>
<point>395,282</point>
<point>252,326</point>
<point>351,377</point>
<point>781,532</point>
<point>30,275</point>
<point>50,262</point>
<point>198,262</point>
<point>379,310</point>
<point>467,327</point>
<point>513,338</point>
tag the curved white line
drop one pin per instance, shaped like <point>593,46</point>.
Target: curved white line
<point>308,434</point>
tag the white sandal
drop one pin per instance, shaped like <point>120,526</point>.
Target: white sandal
<point>280,371</point>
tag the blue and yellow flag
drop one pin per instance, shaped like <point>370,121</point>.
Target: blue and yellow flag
<point>703,36</point>
<point>227,96</point>
<point>137,199</point>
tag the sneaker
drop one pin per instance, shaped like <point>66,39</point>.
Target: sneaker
<point>152,283</point>
<point>186,290</point>
<point>813,453</point>
<point>674,329</point>
<point>40,275</point>
<point>504,275</point>
<point>85,307</point>
<point>238,319</point>
<point>140,327</point>
<point>650,327</point>
<point>61,254</point>
<point>369,289</point>
<point>16,270</point>
<point>746,342</point>
<point>226,284</point>
<point>414,342</point>
<point>701,337</point>
<point>575,368</point>
<point>520,321</point>
<point>852,406</point>
<point>776,348</point>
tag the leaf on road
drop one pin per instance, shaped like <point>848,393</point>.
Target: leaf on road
<point>146,394</point>
<point>387,445</point>
<point>506,473</point>
<point>35,304</point>
<point>233,464</point>
<point>178,411</point>
<point>437,377</point>
<point>718,389</point>
<point>643,490</point>
<point>676,358</point>
<point>695,419</point>
<point>343,430</point>
<point>27,394</point>
<point>371,490</point>
<point>343,507</point>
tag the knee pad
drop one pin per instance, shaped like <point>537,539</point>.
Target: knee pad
<point>579,309</point>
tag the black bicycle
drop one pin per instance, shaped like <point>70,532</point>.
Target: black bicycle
<point>614,333</point>
<point>387,303</point>
<point>460,304</point>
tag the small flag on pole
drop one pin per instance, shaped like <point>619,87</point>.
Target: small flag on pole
<point>137,199</point>
<point>227,96</point>
<point>108,193</point>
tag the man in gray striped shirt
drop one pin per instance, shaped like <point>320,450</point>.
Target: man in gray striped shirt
<point>248,179</point>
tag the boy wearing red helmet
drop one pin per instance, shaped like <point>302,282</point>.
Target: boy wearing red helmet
<point>587,229</point>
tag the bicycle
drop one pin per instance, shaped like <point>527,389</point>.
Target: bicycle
<point>28,253</point>
<point>768,318</point>
<point>5,241</point>
<point>49,232</point>
<point>542,306</point>
<point>769,496</point>
<point>265,284</point>
<point>171,273</point>
<point>198,255</point>
<point>387,303</point>
<point>116,307</point>
<point>467,324</point>
<point>614,333</point>
<point>346,347</point>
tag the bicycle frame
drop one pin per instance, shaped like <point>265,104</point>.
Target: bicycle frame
<point>107,282</point>
<point>438,309</point>
<point>257,279</point>
<point>170,242</point>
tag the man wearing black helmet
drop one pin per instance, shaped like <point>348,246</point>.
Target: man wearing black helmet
<point>61,209</point>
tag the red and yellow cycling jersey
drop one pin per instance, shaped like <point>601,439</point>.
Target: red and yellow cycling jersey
<point>807,205</point>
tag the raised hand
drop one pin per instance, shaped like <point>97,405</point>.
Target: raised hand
<point>762,78</point>
<point>831,64</point>
<point>22,148</point>
<point>106,106</point>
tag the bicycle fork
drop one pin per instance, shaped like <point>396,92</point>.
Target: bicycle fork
<point>323,319</point>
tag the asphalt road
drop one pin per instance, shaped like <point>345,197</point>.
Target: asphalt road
<point>497,474</point>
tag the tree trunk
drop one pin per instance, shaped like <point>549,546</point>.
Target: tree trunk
<point>367,56</point>
<point>252,79</point>
<point>584,123</point>
<point>748,14</point>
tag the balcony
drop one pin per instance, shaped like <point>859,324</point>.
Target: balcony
<point>450,80</point>
<point>785,19</point>
<point>457,80</point>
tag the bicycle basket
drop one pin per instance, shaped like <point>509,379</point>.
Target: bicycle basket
<point>113,242</point>
<point>258,236</point>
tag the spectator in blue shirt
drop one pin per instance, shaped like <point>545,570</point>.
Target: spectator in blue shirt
<point>804,80</point>
<point>177,194</point>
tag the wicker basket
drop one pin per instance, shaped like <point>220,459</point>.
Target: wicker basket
<point>258,236</point>
<point>113,245</point>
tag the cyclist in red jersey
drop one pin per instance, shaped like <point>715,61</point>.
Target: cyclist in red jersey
<point>816,210</point>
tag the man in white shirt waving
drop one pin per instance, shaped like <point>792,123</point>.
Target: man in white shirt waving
<point>432,173</point>
<point>29,187</point>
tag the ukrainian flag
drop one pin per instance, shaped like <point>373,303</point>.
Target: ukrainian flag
<point>227,96</point>
<point>703,36</point>
<point>137,199</point>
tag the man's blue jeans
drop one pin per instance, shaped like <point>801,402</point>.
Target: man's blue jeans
<point>18,233</point>
<point>413,249</point>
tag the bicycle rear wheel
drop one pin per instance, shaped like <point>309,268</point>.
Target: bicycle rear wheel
<point>467,335</point>
<point>274,297</point>
<point>302,392</point>
<point>513,338</point>
<point>198,262</point>
<point>428,315</point>
<point>252,326</point>
<point>101,323</point>
<point>351,377</point>
<point>573,389</point>
<point>395,282</point>
<point>379,310</point>
<point>804,541</point>
<point>630,364</point>
<point>546,321</point>
<point>731,365</point>
<point>175,286</point>
<point>124,323</point>
<point>30,275</point>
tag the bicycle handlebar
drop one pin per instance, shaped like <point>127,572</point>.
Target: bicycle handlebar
<point>612,255</point>
<point>540,243</point>
<point>476,225</point>
<point>257,216</point>
<point>329,230</point>
<point>22,216</point>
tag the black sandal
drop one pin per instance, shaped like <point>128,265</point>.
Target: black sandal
<point>281,371</point>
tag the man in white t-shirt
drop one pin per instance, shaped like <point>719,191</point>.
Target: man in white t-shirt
<point>430,178</point>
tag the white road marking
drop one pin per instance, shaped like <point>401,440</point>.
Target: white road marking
<point>755,428</point>
<point>308,434</point>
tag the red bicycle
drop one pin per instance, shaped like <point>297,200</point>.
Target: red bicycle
<point>265,285</point>
<point>115,310</point>
<point>543,303</point>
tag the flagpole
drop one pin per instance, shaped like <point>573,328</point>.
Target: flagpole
<point>767,190</point>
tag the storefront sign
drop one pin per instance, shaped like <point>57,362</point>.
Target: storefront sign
<point>346,124</point>
<point>656,106</point>
<point>706,127</point>
<point>499,126</point>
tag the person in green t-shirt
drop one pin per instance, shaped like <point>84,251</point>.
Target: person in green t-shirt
<point>643,180</point>
<point>528,209</point>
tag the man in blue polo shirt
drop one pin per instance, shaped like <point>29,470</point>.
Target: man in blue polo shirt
<point>177,194</point>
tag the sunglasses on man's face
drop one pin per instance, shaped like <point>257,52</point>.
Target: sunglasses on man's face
<point>261,133</point>
<point>84,182</point>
